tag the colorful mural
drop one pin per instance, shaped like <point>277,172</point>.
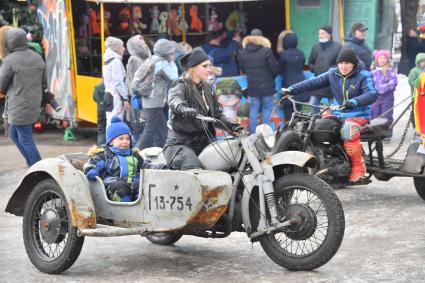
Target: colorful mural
<point>53,17</point>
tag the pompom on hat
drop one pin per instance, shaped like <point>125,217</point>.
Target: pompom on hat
<point>116,129</point>
<point>379,53</point>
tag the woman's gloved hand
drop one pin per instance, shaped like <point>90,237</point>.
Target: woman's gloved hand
<point>92,174</point>
<point>188,112</point>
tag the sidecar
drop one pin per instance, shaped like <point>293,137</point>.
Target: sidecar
<point>60,206</point>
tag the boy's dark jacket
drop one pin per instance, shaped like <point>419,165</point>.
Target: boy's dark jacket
<point>356,86</point>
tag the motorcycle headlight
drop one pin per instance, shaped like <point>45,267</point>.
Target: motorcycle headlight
<point>265,133</point>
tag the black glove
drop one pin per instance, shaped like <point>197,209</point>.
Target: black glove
<point>348,104</point>
<point>237,128</point>
<point>188,112</point>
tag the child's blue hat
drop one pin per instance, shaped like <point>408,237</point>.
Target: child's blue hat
<point>115,129</point>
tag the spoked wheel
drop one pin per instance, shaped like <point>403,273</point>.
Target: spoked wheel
<point>165,239</point>
<point>50,241</point>
<point>318,223</point>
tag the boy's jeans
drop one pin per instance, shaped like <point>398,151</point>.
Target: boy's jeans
<point>22,137</point>
<point>266,105</point>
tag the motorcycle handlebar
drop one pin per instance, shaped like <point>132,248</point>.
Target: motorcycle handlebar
<point>290,97</point>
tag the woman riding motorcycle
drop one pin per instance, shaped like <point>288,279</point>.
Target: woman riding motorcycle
<point>352,87</point>
<point>189,96</point>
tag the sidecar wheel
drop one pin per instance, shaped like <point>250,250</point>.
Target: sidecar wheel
<point>164,239</point>
<point>50,241</point>
<point>316,236</point>
<point>420,186</point>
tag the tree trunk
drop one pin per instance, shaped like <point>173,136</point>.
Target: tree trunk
<point>408,11</point>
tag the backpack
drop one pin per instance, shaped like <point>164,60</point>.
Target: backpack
<point>144,78</point>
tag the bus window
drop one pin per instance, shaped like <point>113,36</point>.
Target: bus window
<point>87,38</point>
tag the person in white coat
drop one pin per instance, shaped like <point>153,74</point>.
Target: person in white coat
<point>116,90</point>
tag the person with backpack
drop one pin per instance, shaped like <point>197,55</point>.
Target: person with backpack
<point>116,91</point>
<point>152,81</point>
<point>139,53</point>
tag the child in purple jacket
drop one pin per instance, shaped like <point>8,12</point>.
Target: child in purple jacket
<point>385,80</point>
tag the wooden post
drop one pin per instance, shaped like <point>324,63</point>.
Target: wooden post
<point>184,31</point>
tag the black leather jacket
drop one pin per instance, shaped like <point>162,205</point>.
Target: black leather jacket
<point>183,93</point>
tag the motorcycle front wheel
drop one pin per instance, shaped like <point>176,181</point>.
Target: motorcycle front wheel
<point>318,232</point>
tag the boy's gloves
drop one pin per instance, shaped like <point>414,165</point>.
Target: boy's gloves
<point>287,91</point>
<point>92,174</point>
<point>349,104</point>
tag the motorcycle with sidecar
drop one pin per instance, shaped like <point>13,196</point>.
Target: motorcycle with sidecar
<point>320,136</point>
<point>297,218</point>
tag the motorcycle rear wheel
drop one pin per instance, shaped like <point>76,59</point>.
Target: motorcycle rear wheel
<point>313,243</point>
<point>420,186</point>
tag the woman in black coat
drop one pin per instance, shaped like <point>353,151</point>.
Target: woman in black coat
<point>292,66</point>
<point>257,61</point>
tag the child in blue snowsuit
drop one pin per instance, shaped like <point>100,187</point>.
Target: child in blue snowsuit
<point>118,165</point>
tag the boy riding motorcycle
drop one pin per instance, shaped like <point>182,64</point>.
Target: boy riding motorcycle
<point>352,87</point>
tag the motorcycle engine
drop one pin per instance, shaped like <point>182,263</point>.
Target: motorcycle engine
<point>331,158</point>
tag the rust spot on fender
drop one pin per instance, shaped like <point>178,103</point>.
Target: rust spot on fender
<point>79,220</point>
<point>209,213</point>
<point>61,169</point>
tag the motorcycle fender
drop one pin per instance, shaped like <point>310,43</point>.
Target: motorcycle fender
<point>297,158</point>
<point>250,182</point>
<point>414,161</point>
<point>72,182</point>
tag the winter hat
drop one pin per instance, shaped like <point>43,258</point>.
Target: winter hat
<point>379,53</point>
<point>115,44</point>
<point>256,32</point>
<point>164,47</point>
<point>194,58</point>
<point>116,128</point>
<point>347,55</point>
<point>328,29</point>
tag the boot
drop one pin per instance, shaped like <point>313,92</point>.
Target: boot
<point>354,152</point>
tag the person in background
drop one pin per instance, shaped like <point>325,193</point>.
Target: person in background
<point>257,61</point>
<point>352,87</point>
<point>3,52</point>
<point>292,66</point>
<point>356,41</point>
<point>98,93</point>
<point>323,57</point>
<point>223,55</point>
<point>118,164</point>
<point>139,53</point>
<point>116,91</point>
<point>385,80</point>
<point>165,72</point>
<point>22,76</point>
<point>279,42</point>
<point>414,75</point>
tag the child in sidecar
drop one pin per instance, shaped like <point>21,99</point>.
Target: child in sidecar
<point>118,165</point>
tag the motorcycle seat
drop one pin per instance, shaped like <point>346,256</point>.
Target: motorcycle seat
<point>377,129</point>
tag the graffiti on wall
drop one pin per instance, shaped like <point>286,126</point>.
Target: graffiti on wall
<point>53,17</point>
